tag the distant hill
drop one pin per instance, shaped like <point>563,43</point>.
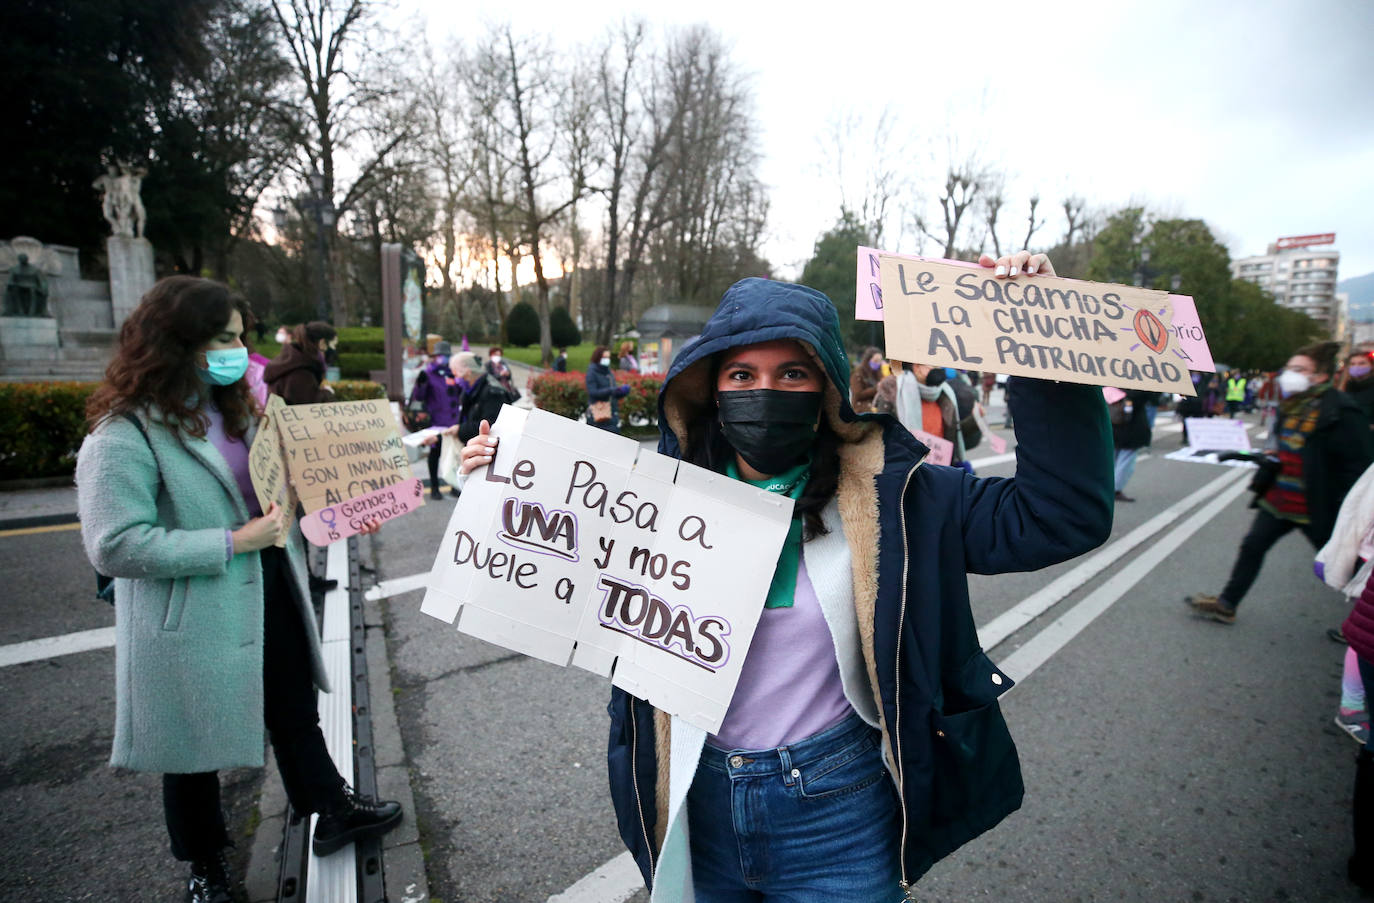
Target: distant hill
<point>1361,292</point>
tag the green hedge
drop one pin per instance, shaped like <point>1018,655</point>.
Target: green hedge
<point>42,424</point>
<point>357,390</point>
<point>566,394</point>
<point>41,427</point>
<point>360,366</point>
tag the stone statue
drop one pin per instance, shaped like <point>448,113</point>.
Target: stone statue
<point>120,201</point>
<point>28,264</point>
<point>26,295</point>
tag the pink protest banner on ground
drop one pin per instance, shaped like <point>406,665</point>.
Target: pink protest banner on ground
<point>336,522</point>
<point>941,450</point>
<point>1191,345</point>
<point>868,297</point>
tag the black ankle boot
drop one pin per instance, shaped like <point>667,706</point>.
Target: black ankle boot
<point>210,880</point>
<point>353,818</point>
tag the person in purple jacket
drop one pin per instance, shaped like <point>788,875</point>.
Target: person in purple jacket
<point>441,393</point>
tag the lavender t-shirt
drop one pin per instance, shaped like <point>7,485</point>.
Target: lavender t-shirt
<point>235,454</point>
<point>789,688</point>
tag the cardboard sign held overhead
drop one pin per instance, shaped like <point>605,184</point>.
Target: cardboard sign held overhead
<point>341,450</point>
<point>267,466</point>
<point>576,546</point>
<point>1042,326</point>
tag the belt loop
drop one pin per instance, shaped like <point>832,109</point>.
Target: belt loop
<point>785,760</point>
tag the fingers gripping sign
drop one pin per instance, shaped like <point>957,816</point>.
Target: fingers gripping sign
<point>480,450</point>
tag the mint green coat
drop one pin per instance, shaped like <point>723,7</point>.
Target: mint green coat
<point>188,622</point>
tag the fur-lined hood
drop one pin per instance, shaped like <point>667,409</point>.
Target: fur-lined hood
<point>759,310</point>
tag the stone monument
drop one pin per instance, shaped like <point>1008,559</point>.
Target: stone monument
<point>130,254</point>
<point>28,332</point>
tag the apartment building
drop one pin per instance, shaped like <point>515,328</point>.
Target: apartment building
<point>1299,275</point>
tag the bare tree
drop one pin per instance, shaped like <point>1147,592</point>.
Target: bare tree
<point>529,136</point>
<point>884,175</point>
<point>334,50</point>
<point>964,181</point>
<point>714,203</point>
<point>1073,216</point>
<point>442,100</point>
<point>1032,224</point>
<point>994,198</point>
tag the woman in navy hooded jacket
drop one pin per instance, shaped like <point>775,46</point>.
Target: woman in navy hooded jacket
<point>864,740</point>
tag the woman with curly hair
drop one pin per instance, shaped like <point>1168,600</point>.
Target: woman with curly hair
<point>215,634</point>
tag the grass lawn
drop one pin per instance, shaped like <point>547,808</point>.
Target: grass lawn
<point>578,355</point>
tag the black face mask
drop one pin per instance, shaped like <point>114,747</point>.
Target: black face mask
<point>772,430</point>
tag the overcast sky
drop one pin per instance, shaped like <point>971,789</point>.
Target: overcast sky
<point>1257,116</point>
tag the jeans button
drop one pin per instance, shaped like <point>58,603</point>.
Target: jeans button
<point>796,772</point>
<point>736,761</point>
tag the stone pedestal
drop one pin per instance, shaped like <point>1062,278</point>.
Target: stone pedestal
<point>28,339</point>
<point>131,273</point>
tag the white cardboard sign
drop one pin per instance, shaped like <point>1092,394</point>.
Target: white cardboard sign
<point>1217,434</point>
<point>576,546</point>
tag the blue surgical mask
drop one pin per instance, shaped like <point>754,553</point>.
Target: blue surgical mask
<point>224,366</point>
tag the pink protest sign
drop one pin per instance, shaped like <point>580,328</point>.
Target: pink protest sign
<point>1192,344</point>
<point>1112,395</point>
<point>999,445</point>
<point>941,450</point>
<point>335,522</point>
<point>868,298</point>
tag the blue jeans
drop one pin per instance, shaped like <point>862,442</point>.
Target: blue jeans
<point>815,821</point>
<point>1124,466</point>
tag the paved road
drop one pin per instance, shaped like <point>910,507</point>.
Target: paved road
<point>1165,758</point>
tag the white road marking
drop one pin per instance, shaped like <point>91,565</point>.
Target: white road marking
<point>1024,661</point>
<point>388,588</point>
<point>53,646</point>
<point>614,882</point>
<point>1037,603</point>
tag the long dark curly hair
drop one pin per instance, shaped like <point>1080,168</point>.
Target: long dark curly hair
<point>155,363</point>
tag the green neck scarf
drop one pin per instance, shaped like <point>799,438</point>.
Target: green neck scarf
<point>791,483</point>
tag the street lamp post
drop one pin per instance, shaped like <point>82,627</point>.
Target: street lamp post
<point>1145,274</point>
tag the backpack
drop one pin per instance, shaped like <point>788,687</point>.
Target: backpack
<point>104,584</point>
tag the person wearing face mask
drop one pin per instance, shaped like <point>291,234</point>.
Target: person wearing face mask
<point>601,387</point>
<point>864,741</point>
<point>926,402</point>
<point>1359,382</point>
<point>864,379</point>
<point>215,633</point>
<point>499,370</point>
<point>1320,444</point>
<point>297,374</point>
<point>440,391</point>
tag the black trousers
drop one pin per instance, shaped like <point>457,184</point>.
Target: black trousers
<point>1265,530</point>
<point>195,820</point>
<point>434,463</point>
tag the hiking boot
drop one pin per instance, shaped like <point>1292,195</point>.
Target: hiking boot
<point>1211,607</point>
<point>1356,724</point>
<point>210,881</point>
<point>353,818</point>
